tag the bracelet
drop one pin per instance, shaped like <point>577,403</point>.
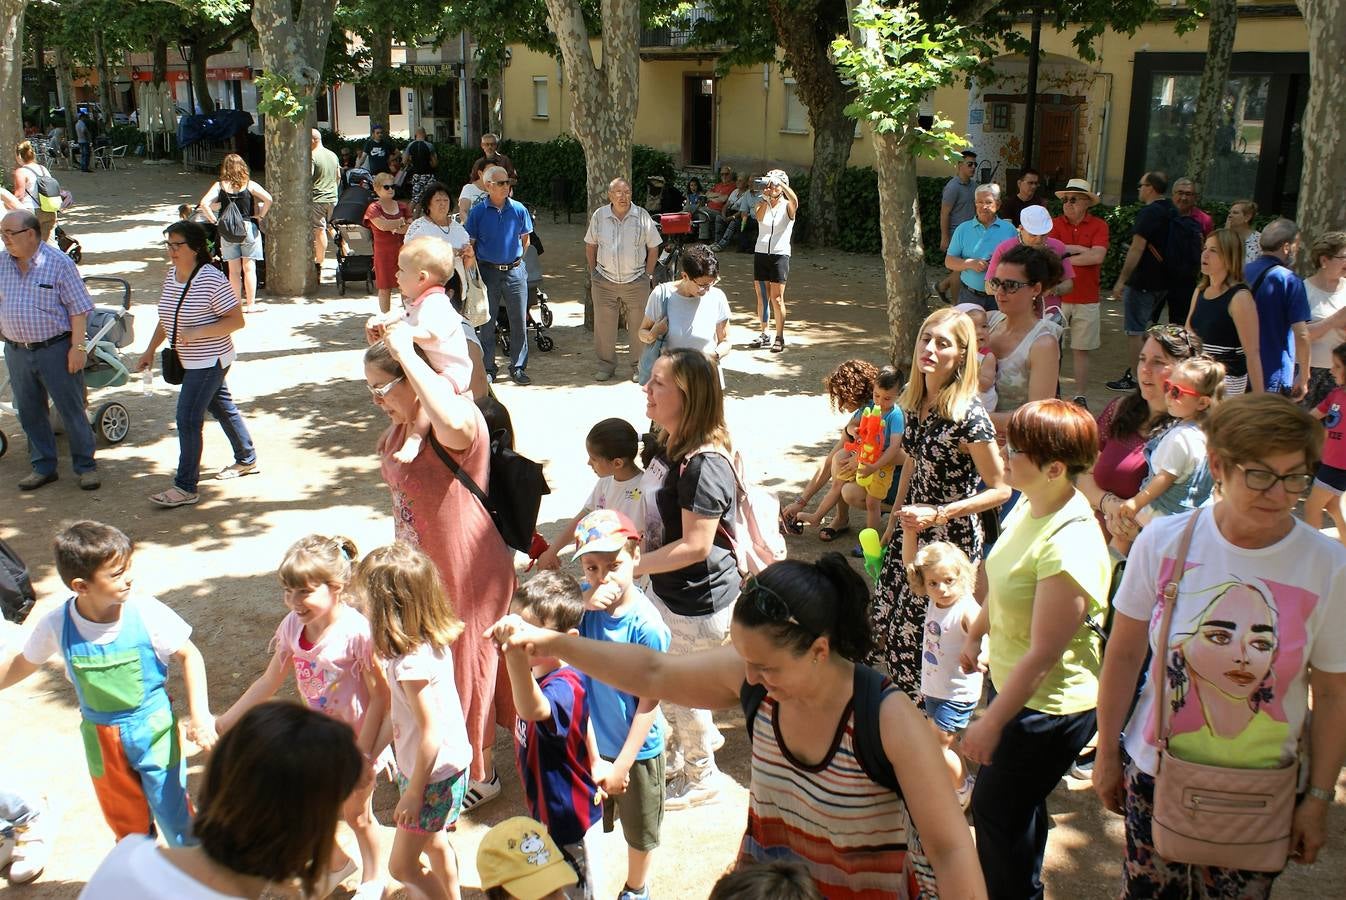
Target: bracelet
<point>1102,501</point>
<point>1321,794</point>
<point>82,348</point>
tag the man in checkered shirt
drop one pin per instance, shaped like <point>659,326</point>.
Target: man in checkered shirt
<point>44,308</point>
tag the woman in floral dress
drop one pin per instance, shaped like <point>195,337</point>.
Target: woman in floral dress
<point>953,472</point>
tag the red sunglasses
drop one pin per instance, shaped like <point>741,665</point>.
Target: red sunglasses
<point>1175,391</point>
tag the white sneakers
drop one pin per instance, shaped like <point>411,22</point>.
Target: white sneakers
<point>27,853</point>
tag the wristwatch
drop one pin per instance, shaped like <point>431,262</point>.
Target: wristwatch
<point>1322,794</point>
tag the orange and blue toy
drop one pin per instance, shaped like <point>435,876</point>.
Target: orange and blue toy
<point>868,443</point>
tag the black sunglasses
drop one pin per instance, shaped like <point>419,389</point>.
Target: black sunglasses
<point>771,605</point>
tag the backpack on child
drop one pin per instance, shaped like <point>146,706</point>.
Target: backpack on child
<point>514,489</point>
<point>756,539</point>
<point>48,191</point>
<point>16,588</point>
<point>232,224</point>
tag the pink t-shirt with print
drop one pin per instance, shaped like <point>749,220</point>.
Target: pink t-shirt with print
<point>330,674</point>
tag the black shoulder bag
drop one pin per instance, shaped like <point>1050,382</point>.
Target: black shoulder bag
<point>169,362</point>
<point>514,489</point>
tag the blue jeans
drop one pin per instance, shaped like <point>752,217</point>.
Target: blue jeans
<point>204,390</point>
<point>1009,803</point>
<point>37,375</point>
<point>85,152</point>
<point>510,290</point>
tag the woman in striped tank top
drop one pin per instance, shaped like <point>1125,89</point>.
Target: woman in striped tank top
<point>796,629</point>
<point>198,313</point>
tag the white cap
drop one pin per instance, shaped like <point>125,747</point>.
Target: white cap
<point>1036,220</point>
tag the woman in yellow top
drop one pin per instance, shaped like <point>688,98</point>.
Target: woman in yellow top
<point>1047,575</point>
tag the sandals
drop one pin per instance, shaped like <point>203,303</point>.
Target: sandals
<point>827,534</point>
<point>237,470</point>
<point>174,497</point>
<point>791,525</point>
<point>778,346</point>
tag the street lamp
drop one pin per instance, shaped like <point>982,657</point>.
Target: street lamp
<point>187,51</point>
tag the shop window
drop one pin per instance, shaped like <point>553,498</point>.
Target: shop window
<point>362,101</point>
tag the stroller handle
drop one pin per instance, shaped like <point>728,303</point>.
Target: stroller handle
<point>119,282</point>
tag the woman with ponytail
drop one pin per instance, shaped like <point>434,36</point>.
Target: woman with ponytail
<point>796,632</point>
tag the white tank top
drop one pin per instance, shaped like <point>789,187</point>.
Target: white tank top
<point>773,232</point>
<point>942,677</point>
<point>1011,377</point>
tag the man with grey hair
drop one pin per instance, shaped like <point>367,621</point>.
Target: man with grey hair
<point>1282,311</point>
<point>491,156</point>
<point>972,244</point>
<point>44,311</point>
<point>500,229</point>
<point>621,246</point>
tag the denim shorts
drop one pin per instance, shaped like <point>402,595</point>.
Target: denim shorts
<point>949,716</point>
<point>249,249</point>
<point>1137,308</point>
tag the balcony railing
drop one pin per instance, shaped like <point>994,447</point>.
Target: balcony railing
<point>677,33</point>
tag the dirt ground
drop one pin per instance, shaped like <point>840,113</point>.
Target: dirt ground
<point>299,382</point>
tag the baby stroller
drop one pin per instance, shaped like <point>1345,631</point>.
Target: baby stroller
<point>353,242</point>
<point>537,299</point>
<point>108,330</point>
<point>69,245</point>
<point>677,231</point>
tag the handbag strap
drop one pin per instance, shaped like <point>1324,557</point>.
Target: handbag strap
<point>1169,597</point>
<point>464,478</point>
<point>173,341</point>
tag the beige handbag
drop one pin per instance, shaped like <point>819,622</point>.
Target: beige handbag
<point>1214,815</point>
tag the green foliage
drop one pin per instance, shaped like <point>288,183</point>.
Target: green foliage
<point>283,97</point>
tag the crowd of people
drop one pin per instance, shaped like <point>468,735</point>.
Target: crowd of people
<point>964,672</point>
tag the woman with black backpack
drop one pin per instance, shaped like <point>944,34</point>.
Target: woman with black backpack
<point>33,182</point>
<point>236,205</point>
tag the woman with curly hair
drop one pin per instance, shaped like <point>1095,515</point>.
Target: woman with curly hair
<point>849,389</point>
<point>236,187</point>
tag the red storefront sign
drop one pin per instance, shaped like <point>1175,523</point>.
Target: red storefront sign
<point>237,73</point>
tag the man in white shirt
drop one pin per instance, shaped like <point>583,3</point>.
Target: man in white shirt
<point>621,246</point>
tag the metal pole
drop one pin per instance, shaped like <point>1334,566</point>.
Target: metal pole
<point>1031,105</point>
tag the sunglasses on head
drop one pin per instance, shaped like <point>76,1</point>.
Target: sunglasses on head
<point>1177,391</point>
<point>770,604</point>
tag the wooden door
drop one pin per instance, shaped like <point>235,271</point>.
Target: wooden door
<point>1057,138</point>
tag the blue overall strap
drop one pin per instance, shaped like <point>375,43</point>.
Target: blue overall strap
<point>132,637</point>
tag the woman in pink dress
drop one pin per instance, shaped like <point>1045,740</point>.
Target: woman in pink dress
<point>434,511</point>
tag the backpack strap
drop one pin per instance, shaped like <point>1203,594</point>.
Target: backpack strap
<point>739,490</point>
<point>464,478</point>
<point>870,685</point>
<point>750,697</point>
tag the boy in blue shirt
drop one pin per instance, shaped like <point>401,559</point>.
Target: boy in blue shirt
<point>555,746</point>
<point>878,476</point>
<point>629,730</point>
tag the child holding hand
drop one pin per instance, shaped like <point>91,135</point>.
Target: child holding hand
<point>328,646</point>
<point>413,626</point>
<point>117,645</point>
<point>555,745</point>
<point>424,267</point>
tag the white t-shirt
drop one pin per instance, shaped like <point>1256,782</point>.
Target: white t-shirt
<point>941,644</point>
<point>454,233</point>
<point>1179,451</point>
<point>774,230</point>
<point>692,321</point>
<point>471,193</point>
<point>447,348</point>
<point>625,497</point>
<point>137,868</point>
<point>1247,625</point>
<point>1321,305</point>
<point>424,664</point>
<point>167,630</point>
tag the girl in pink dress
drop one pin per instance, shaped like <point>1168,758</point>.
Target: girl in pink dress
<point>327,644</point>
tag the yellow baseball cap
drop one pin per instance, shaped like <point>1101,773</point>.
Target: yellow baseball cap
<point>519,856</point>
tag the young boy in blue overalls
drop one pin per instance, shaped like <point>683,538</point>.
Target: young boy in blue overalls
<point>116,647</point>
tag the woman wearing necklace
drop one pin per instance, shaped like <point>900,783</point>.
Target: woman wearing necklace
<point>438,221</point>
<point>1025,344</point>
<point>950,445</point>
<point>248,842</point>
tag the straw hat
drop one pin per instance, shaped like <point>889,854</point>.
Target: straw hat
<point>1078,186</point>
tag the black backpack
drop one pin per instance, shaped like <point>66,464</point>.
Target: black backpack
<point>232,224</point>
<point>1181,254</point>
<point>16,588</point>
<point>513,492</point>
<point>869,685</point>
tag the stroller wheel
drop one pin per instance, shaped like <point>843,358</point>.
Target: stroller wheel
<point>545,343</point>
<point>112,421</point>
<point>546,316</point>
<point>502,338</point>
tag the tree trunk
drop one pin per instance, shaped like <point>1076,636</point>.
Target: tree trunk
<point>291,46</point>
<point>495,97</point>
<point>1322,204</point>
<point>808,53</point>
<point>65,90</point>
<point>903,251</point>
<point>200,85</point>
<point>11,73</point>
<point>104,77</point>
<point>159,68</point>
<point>1222,19</point>
<point>380,71</point>
<point>40,63</point>
<point>602,98</point>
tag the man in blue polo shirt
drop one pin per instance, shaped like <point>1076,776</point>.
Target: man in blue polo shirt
<point>972,244</point>
<point>500,229</point>
<point>1282,311</point>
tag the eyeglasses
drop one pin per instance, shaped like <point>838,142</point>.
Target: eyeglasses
<point>15,232</point>
<point>770,604</point>
<point>1177,391</point>
<point>702,286</point>
<point>173,245</point>
<point>1072,199</point>
<point>1008,285</point>
<point>499,183</point>
<point>382,391</point>
<point>1263,480</point>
